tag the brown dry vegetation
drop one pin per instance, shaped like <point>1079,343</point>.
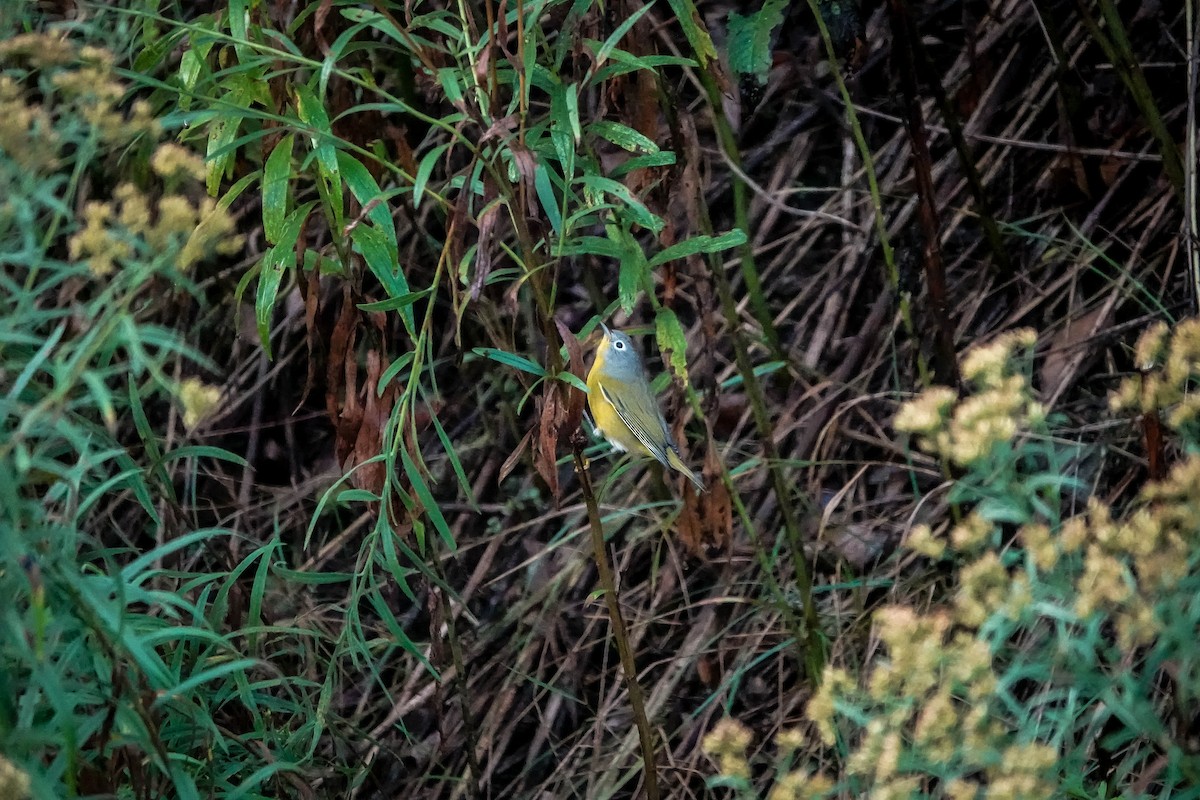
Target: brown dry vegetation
<point>1019,185</point>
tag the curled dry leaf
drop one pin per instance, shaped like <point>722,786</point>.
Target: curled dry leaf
<point>575,398</point>
<point>368,441</point>
<point>514,457</point>
<point>706,522</point>
<point>483,253</point>
<point>545,451</point>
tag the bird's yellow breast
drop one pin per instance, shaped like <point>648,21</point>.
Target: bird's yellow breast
<point>608,422</point>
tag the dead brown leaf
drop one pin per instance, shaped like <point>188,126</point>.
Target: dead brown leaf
<point>514,457</point>
<point>575,398</point>
<point>341,340</point>
<point>483,252</point>
<point>545,451</point>
<point>368,441</point>
<point>706,521</point>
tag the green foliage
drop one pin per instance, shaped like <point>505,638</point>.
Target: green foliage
<point>1066,641</point>
<point>112,667</point>
<point>750,37</point>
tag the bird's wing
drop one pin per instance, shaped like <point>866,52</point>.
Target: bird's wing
<point>630,410</point>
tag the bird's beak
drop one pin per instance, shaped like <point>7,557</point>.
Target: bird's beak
<point>604,328</point>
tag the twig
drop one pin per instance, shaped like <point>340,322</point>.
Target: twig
<point>620,633</point>
<point>903,34</point>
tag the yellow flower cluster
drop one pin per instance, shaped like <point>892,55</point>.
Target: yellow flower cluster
<point>1129,563</point>
<point>934,697</point>
<point>83,86</point>
<point>727,742</point>
<point>964,432</point>
<point>195,229</point>
<point>171,161</point>
<point>1170,361</point>
<point>800,785</point>
<point>13,782</point>
<point>199,399</point>
<point>27,135</point>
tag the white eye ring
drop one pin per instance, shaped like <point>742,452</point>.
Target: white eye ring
<point>619,345</point>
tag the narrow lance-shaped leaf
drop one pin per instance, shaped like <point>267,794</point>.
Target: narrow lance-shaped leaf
<point>276,175</point>
<point>274,263</point>
<point>700,244</point>
<point>671,339</point>
<point>313,114</point>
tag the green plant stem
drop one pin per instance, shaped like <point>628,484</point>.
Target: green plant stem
<point>620,632</point>
<point>701,44</point>
<point>966,160</point>
<point>749,270</point>
<point>891,271</point>
<point>813,655</point>
<point>1119,52</point>
<point>946,366</point>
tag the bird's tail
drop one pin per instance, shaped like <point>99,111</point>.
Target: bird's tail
<point>676,463</point>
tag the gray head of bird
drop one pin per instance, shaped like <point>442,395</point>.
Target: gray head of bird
<point>620,355</point>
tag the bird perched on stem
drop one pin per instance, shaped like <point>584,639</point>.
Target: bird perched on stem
<point>624,407</point>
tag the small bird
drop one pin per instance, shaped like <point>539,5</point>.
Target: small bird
<point>624,407</point>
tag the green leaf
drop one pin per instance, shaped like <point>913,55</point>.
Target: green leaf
<point>623,136</point>
<point>663,158</point>
<point>221,132</point>
<point>545,191</point>
<point>366,191</point>
<point>573,379</point>
<point>563,125</point>
<point>274,263</point>
<point>595,246</point>
<point>455,462</point>
<point>750,39</point>
<point>571,95</point>
<point>511,360</point>
<point>629,282</point>
<point>313,114</point>
<point>694,30</point>
<point>634,207</point>
<point>239,14</point>
<point>380,255</point>
<point>634,270</point>
<point>619,32</point>
<point>425,497</point>
<point>276,175</point>
<point>700,244</point>
<point>204,451</point>
<point>395,303</point>
<point>424,170</point>
<point>671,339</point>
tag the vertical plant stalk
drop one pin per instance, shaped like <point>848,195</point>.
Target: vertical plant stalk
<point>966,160</point>
<point>705,54</point>
<point>1189,163</point>
<point>813,655</point>
<point>946,366</point>
<point>810,638</point>
<point>1119,52</point>
<point>741,199</point>
<point>608,584</point>
<point>891,271</point>
<point>470,728</point>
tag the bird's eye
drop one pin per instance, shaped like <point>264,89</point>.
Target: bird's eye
<point>619,345</point>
